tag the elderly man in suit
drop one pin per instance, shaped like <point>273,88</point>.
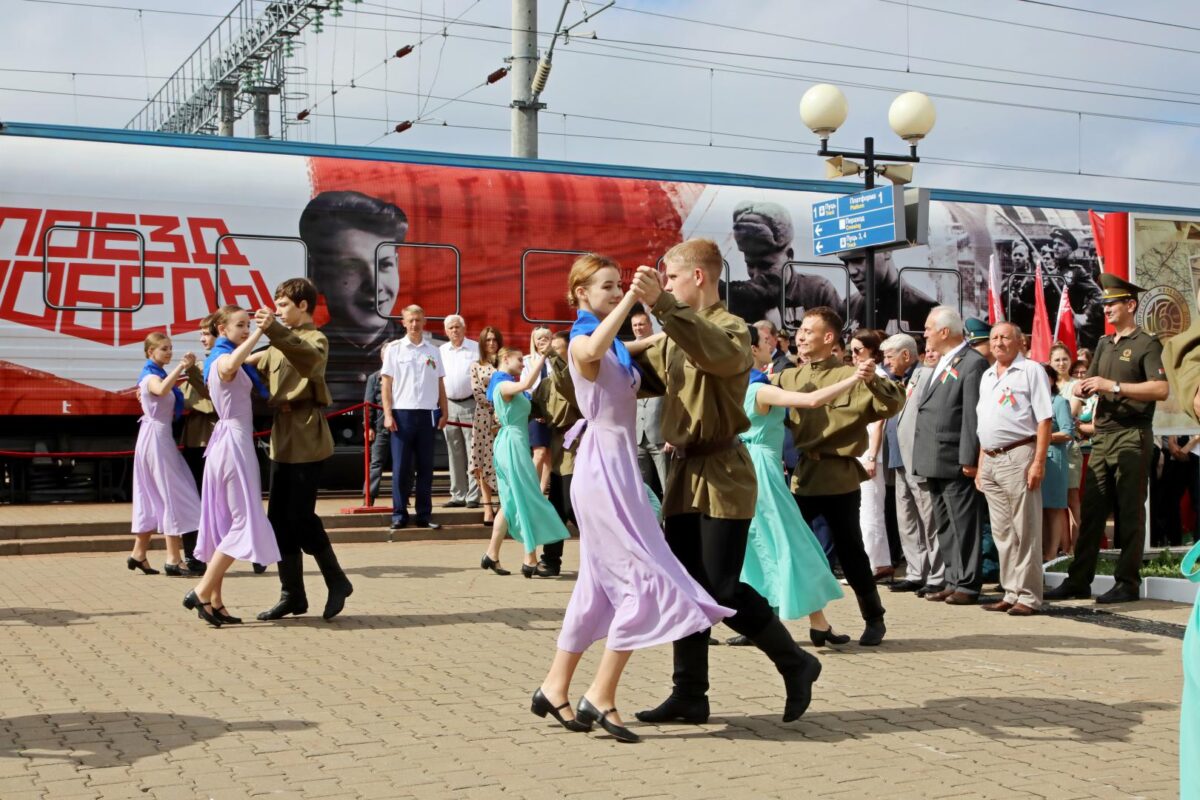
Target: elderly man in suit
<point>946,453</point>
<point>914,505</point>
<point>653,457</point>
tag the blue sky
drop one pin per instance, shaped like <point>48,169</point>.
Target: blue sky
<point>719,96</point>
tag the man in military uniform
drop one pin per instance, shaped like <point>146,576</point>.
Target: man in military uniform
<point>978,335</point>
<point>702,367</point>
<point>198,426</point>
<point>1128,378</point>
<point>829,440</point>
<point>763,232</point>
<point>894,302</point>
<point>1058,272</point>
<point>554,401</point>
<point>294,369</point>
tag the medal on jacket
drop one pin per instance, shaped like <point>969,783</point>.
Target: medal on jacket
<point>950,372</point>
<point>1008,398</point>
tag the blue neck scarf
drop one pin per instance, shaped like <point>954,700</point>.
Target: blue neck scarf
<point>498,377</point>
<point>586,322</point>
<point>756,376</point>
<point>222,347</point>
<point>150,368</point>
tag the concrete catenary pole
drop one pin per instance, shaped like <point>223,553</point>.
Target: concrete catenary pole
<point>524,63</point>
<point>226,114</point>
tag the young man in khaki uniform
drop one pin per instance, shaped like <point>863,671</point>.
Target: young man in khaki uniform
<point>702,368</point>
<point>554,401</point>
<point>829,440</point>
<point>294,370</point>
<point>198,426</point>
<point>1127,374</point>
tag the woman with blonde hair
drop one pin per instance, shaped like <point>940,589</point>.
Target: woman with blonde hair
<point>484,426</point>
<point>631,588</point>
<point>539,432</point>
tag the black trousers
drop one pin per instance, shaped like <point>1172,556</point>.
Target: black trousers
<point>194,458</point>
<point>836,517</point>
<point>292,508</point>
<point>712,551</point>
<point>560,498</point>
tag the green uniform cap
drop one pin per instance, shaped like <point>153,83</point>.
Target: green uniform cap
<point>1117,290</point>
<point>977,330</point>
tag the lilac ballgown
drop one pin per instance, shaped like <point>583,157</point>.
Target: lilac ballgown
<point>232,519</point>
<point>631,588</point>
<point>164,492</point>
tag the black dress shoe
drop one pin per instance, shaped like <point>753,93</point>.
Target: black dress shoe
<point>929,589</point>
<point>192,602</point>
<point>739,641</point>
<point>196,566</point>
<point>144,565</point>
<point>179,570</point>
<point>1119,594</point>
<point>906,586</point>
<point>1066,592</point>
<point>424,523</point>
<point>399,526</point>
<point>545,570</point>
<point>588,713</point>
<point>454,504</point>
<point>472,504</point>
<point>259,569</point>
<point>677,709</point>
<point>542,706</point>
<point>820,638</point>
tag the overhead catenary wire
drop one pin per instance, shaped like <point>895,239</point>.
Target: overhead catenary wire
<point>1176,25</point>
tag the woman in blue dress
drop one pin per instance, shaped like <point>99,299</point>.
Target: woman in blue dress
<point>1055,523</point>
<point>784,561</point>
<point>524,510</point>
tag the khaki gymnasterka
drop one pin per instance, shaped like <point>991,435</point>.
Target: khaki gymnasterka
<point>294,371</point>
<point>554,402</point>
<point>1181,357</point>
<point>201,418</point>
<point>1135,358</point>
<point>831,438</point>
<point>702,370</point>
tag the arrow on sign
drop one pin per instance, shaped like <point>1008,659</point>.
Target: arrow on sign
<point>820,247</point>
<point>817,230</point>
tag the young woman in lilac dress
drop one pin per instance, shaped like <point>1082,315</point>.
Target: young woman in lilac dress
<point>631,588</point>
<point>233,524</point>
<point>165,499</point>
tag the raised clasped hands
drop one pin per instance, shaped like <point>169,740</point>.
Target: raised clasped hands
<point>647,285</point>
<point>188,360</point>
<point>865,371</point>
<point>263,317</point>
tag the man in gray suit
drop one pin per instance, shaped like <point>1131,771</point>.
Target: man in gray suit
<point>946,452</point>
<point>914,505</point>
<point>653,457</point>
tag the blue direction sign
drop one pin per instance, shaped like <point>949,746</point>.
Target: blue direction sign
<point>873,218</point>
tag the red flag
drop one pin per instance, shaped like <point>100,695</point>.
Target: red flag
<point>1064,327</point>
<point>995,307</point>
<point>1039,345</point>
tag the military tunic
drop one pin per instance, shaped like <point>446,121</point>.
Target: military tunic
<point>703,368</point>
<point>1135,358</point>
<point>198,424</point>
<point>294,370</point>
<point>554,401</point>
<point>831,438</point>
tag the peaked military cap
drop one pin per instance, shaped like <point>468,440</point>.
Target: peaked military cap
<point>1117,289</point>
<point>1066,236</point>
<point>977,330</point>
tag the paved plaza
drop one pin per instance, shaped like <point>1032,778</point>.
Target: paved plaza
<point>421,689</point>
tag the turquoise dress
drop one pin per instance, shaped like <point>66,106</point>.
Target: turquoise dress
<point>1189,717</point>
<point>784,562</point>
<point>532,521</point>
<point>1054,485</point>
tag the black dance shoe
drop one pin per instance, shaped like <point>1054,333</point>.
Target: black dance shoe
<point>739,641</point>
<point>259,569</point>
<point>192,602</point>
<point>820,638</point>
<point>226,619</point>
<point>676,709</point>
<point>196,566</point>
<point>494,566</point>
<point>588,714</point>
<point>144,565</point>
<point>542,706</point>
<point>179,570</point>
<point>528,570</point>
<point>545,570</point>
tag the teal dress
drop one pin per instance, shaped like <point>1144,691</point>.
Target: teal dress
<point>784,561</point>
<point>532,521</point>
<point>1189,718</point>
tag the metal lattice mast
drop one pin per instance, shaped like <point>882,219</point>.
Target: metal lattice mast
<point>233,71</point>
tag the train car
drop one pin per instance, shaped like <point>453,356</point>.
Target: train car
<point>106,235</point>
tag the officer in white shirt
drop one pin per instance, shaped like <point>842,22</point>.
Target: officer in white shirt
<point>1014,416</point>
<point>458,355</point>
<point>413,394</point>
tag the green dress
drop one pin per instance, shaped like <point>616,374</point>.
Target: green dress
<point>532,521</point>
<point>1189,718</point>
<point>784,561</point>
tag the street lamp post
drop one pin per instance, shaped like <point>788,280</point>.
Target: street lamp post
<point>823,109</point>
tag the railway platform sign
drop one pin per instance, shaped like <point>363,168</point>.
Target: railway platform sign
<point>874,218</point>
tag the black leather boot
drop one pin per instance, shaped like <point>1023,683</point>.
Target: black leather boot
<point>194,565</point>
<point>292,599</point>
<point>688,702</point>
<point>336,582</point>
<point>872,613</point>
<point>799,669</point>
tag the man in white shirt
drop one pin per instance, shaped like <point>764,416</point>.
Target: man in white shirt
<point>458,355</point>
<point>1015,415</point>
<point>413,394</point>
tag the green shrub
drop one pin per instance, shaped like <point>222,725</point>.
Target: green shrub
<point>1164,565</point>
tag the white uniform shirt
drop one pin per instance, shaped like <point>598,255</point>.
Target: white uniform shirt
<point>414,370</point>
<point>457,362</point>
<point>1011,405</point>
